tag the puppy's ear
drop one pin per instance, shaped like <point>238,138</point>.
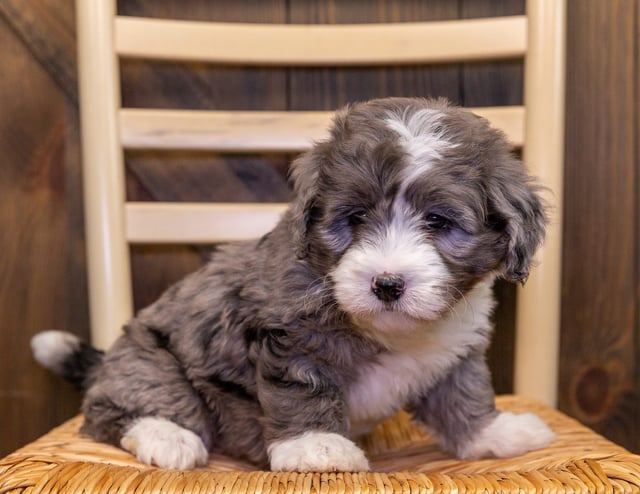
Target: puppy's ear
<point>304,173</point>
<point>516,204</point>
<point>305,176</point>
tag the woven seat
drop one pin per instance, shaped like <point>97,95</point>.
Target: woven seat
<point>403,459</point>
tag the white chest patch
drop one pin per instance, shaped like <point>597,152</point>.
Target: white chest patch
<point>419,360</point>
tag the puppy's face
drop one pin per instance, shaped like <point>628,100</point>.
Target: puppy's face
<point>408,205</point>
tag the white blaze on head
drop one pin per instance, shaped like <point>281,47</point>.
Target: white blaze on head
<point>422,137</point>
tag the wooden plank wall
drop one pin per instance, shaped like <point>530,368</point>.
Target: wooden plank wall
<point>42,279</point>
<point>42,266</point>
<point>600,322</point>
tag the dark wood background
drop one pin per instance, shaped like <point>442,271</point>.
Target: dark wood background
<point>42,263</point>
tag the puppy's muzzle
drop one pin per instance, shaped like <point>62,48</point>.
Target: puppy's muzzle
<point>388,287</point>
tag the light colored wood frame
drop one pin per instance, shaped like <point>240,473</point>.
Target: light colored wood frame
<point>258,131</point>
<point>538,303</point>
<point>342,44</point>
<point>111,223</point>
<point>109,271</point>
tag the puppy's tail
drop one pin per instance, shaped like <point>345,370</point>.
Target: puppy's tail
<point>64,354</point>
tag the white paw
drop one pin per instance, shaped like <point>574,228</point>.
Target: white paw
<point>510,435</point>
<point>317,452</point>
<point>163,443</point>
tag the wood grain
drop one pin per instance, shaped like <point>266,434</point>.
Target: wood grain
<point>42,275</point>
<point>330,88</point>
<point>492,83</point>
<point>598,381</point>
<point>46,29</point>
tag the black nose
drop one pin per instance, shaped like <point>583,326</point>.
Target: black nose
<point>387,287</point>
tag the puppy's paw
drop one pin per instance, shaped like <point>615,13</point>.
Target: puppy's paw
<point>509,435</point>
<point>317,452</point>
<point>163,443</point>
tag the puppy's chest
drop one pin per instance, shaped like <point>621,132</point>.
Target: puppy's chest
<point>383,387</point>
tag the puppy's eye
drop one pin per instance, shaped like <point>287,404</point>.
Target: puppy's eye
<point>437,222</point>
<point>357,217</point>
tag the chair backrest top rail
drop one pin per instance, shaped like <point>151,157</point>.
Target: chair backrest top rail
<point>323,45</point>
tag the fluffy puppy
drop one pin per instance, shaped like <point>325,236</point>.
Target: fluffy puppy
<point>372,294</point>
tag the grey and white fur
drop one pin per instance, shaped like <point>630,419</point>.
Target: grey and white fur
<point>372,294</point>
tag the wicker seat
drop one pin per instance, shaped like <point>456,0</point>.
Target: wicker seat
<point>403,459</point>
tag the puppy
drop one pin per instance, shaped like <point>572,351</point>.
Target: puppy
<point>372,294</point>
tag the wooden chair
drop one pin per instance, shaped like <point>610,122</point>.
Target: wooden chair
<point>403,458</point>
<point>107,129</point>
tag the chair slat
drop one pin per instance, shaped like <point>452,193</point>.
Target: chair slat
<point>222,131</point>
<point>235,132</point>
<point>328,44</point>
<point>198,223</point>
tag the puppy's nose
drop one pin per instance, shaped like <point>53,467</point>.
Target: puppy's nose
<point>387,287</point>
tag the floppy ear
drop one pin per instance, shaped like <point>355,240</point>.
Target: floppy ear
<point>304,173</point>
<point>516,200</point>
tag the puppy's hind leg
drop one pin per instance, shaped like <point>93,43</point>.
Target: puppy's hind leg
<point>158,441</point>
<point>460,410</point>
<point>147,434</point>
<point>142,401</point>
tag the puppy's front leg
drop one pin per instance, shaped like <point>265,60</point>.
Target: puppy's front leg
<point>317,452</point>
<point>305,414</point>
<point>460,410</point>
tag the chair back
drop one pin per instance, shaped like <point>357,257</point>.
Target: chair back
<point>108,129</point>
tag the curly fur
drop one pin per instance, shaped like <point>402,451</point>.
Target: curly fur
<point>296,341</point>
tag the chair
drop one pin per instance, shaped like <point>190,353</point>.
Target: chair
<point>112,223</point>
<point>403,458</point>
